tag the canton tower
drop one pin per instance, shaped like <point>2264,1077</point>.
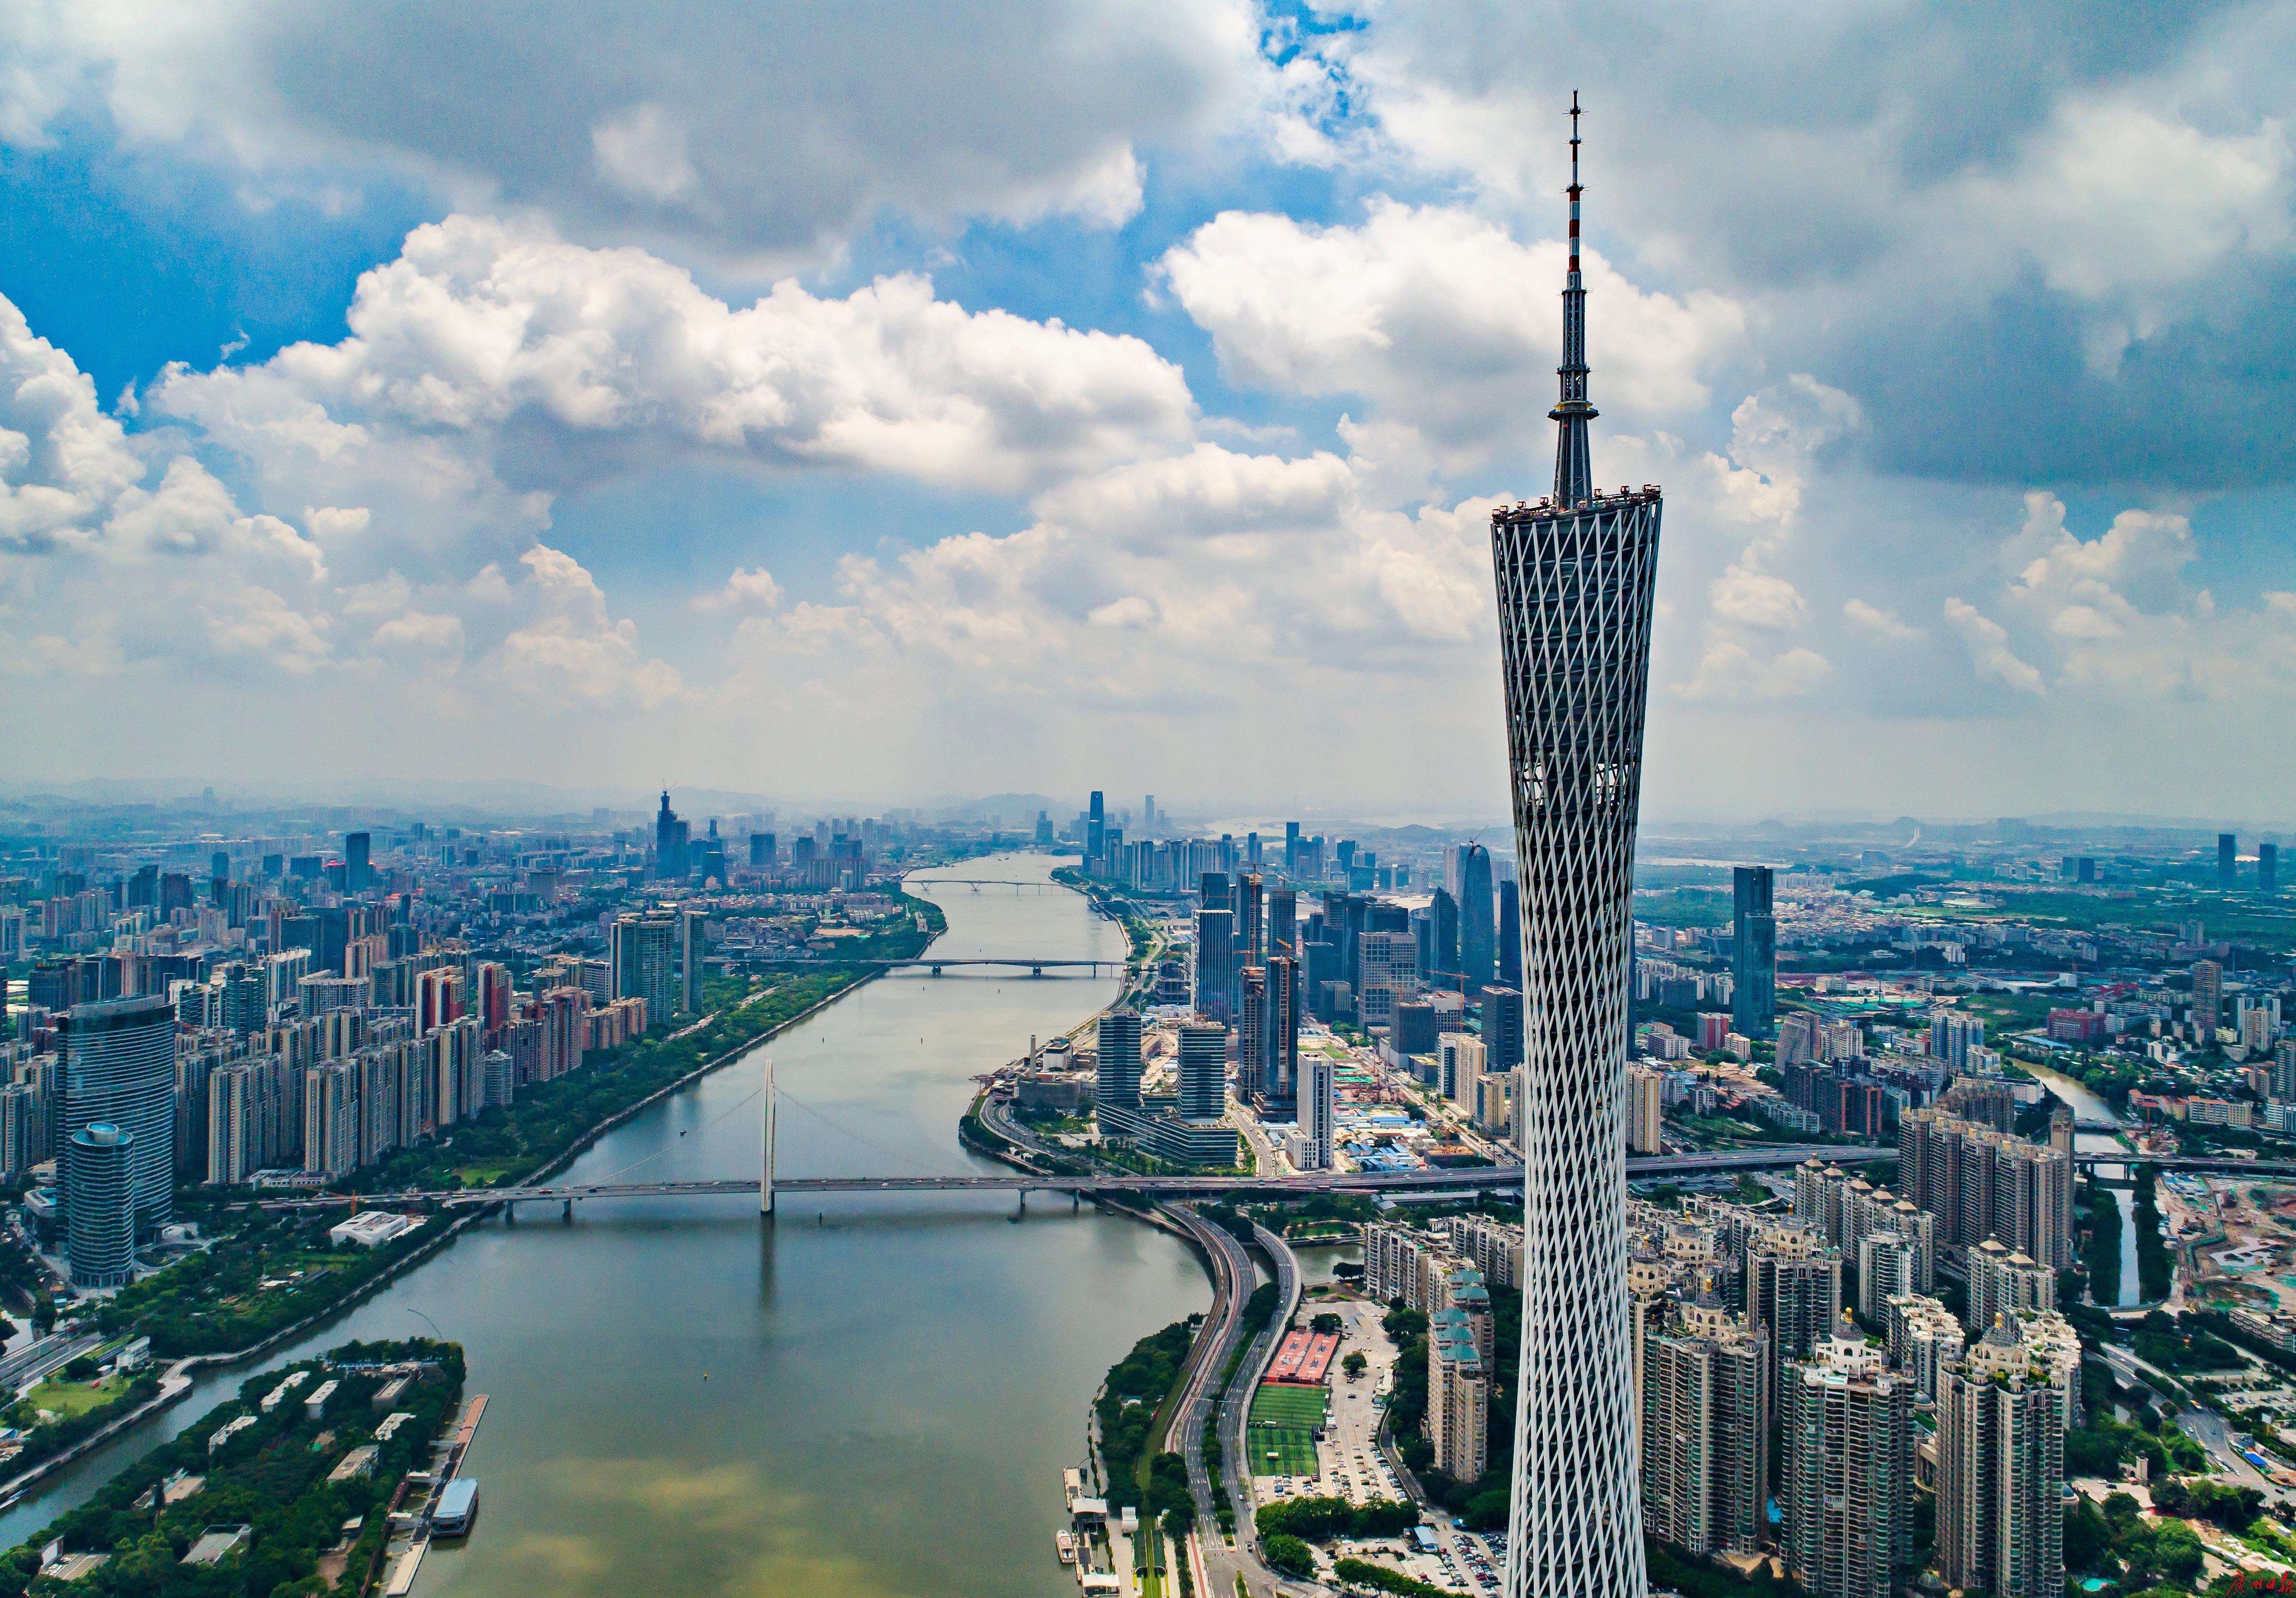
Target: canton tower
<point>1576,574</point>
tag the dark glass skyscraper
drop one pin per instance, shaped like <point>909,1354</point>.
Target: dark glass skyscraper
<point>1282,921</point>
<point>1754,953</point>
<point>119,1068</point>
<point>2227,862</point>
<point>1577,576</point>
<point>1215,962</point>
<point>1477,933</point>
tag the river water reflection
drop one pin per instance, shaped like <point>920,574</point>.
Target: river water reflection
<point>872,1396</point>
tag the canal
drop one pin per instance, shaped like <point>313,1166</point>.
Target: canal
<point>2087,1106</point>
<point>871,1395</point>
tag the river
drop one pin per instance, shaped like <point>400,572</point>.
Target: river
<point>871,1395</point>
<point>2087,1106</point>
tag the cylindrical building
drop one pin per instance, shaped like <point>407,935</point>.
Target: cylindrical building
<point>100,1205</point>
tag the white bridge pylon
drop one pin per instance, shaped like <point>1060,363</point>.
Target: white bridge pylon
<point>766,1145</point>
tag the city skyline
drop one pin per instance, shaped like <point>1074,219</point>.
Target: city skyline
<point>1014,447</point>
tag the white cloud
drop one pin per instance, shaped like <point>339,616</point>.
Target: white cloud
<point>1880,621</point>
<point>1988,642</point>
<point>1436,316</point>
<point>728,131</point>
<point>482,326</point>
<point>642,151</point>
<point>570,645</point>
<point>751,589</point>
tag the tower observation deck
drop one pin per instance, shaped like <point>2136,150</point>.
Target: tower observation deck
<point>1576,574</point>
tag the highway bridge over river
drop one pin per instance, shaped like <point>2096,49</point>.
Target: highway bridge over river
<point>1260,1189</point>
<point>1440,1179</point>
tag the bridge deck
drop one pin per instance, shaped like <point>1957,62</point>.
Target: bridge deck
<point>1416,1181</point>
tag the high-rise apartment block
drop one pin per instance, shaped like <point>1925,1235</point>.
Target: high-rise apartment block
<point>643,950</point>
<point>1924,1338</point>
<point>1792,1290</point>
<point>1847,1475</point>
<point>693,954</point>
<point>2001,1470</point>
<point>1981,1182</point>
<point>1705,1404</point>
<point>1318,1111</point>
<point>2004,1282</point>
<point>1458,1395</point>
<point>1645,1104</point>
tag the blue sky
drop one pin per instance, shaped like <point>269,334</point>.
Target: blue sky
<point>882,401</point>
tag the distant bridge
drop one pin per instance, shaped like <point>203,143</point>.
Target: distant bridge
<point>1436,1179</point>
<point>1034,966</point>
<point>977,883</point>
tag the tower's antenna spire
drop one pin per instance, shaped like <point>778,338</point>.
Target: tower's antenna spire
<point>1574,477</point>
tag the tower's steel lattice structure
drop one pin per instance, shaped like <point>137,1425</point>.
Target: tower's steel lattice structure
<point>1576,575</point>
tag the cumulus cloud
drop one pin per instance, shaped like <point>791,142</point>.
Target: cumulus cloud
<point>481,327</point>
<point>2082,198</point>
<point>1435,315</point>
<point>731,132</point>
<point>1988,642</point>
<point>751,589</point>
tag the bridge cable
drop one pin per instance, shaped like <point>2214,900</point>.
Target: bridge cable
<point>916,1167</point>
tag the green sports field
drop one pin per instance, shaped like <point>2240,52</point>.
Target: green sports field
<point>1283,1421</point>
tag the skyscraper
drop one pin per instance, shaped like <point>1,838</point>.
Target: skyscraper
<point>1279,1066</point>
<point>1477,934</point>
<point>358,871</point>
<point>100,1205</point>
<point>1203,1071</point>
<point>1848,1477</point>
<point>1576,575</point>
<point>119,1068</point>
<point>1706,1425</point>
<point>1510,933</point>
<point>669,842</point>
<point>1118,1079</point>
<point>1502,1016</point>
<point>1215,962</point>
<point>1250,928</point>
<point>1754,952</point>
<point>692,956</point>
<point>2208,998</point>
<point>2227,862</point>
<point>1284,922</point>
<point>1318,1109</point>
<point>2267,868</point>
<point>643,950</point>
<point>2001,1468</point>
<point>1095,833</point>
